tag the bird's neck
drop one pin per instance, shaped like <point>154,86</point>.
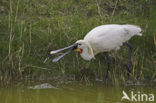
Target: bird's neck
<point>88,54</point>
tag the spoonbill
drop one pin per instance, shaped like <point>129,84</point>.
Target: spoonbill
<point>103,39</point>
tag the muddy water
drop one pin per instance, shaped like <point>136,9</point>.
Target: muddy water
<point>76,93</point>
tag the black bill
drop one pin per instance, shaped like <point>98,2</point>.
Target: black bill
<point>59,50</point>
<point>74,46</point>
<point>59,57</point>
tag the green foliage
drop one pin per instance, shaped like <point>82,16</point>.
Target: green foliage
<point>30,28</point>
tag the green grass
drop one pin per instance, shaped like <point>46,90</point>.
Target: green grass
<point>29,29</point>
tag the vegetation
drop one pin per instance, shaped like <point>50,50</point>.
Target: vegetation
<point>29,29</point>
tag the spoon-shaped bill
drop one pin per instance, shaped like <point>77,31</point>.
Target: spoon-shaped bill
<point>59,57</point>
<point>59,50</point>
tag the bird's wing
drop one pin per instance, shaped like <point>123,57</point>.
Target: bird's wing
<point>105,37</point>
<point>96,32</point>
<point>113,29</point>
<point>112,36</point>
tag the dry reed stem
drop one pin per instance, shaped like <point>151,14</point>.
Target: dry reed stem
<point>114,10</point>
<point>99,11</point>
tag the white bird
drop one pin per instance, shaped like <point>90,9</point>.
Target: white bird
<point>103,38</point>
<point>106,38</point>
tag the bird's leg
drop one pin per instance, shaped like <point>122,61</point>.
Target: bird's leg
<point>108,64</point>
<point>129,56</point>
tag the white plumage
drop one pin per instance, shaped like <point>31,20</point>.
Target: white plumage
<point>105,38</point>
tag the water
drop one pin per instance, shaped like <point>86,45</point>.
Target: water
<point>72,93</point>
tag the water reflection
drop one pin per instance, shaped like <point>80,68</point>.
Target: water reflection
<point>75,93</point>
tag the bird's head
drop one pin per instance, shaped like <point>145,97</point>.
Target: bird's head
<point>85,49</point>
<point>81,45</point>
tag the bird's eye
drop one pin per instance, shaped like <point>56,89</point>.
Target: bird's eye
<point>79,44</point>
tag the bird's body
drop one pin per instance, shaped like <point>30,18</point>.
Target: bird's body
<point>109,37</point>
<point>103,38</point>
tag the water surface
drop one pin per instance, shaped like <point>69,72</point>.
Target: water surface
<point>72,93</point>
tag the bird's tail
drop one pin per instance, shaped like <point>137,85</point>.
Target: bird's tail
<point>134,30</point>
